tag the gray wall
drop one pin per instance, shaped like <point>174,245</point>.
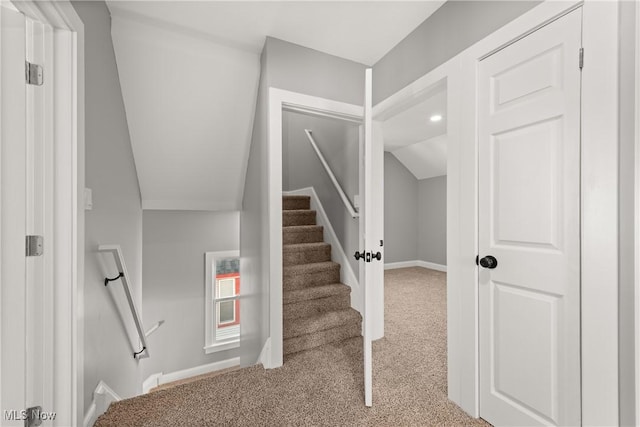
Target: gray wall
<point>627,190</point>
<point>301,168</point>
<point>254,234</point>
<point>173,274</point>
<point>116,216</point>
<point>451,29</point>
<point>432,220</point>
<point>300,69</point>
<point>400,212</point>
<point>415,215</point>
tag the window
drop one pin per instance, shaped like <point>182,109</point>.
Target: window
<point>222,306</point>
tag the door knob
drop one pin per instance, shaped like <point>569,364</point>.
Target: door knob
<point>376,255</point>
<point>489,262</point>
<point>358,255</point>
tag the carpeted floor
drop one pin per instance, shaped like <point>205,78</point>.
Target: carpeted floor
<point>324,386</point>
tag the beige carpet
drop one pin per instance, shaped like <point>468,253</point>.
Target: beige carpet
<point>323,386</point>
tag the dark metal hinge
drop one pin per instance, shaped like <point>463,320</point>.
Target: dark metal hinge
<point>34,74</point>
<point>34,245</point>
<point>581,58</point>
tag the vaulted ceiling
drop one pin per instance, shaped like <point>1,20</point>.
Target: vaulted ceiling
<point>419,143</point>
<point>189,74</point>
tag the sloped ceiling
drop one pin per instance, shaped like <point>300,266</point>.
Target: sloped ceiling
<point>417,142</point>
<point>189,73</point>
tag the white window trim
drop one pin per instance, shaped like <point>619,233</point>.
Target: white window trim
<point>211,346</point>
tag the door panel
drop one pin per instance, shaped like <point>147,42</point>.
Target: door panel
<point>529,220</point>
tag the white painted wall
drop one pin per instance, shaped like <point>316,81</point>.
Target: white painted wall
<point>116,216</point>
<point>174,247</point>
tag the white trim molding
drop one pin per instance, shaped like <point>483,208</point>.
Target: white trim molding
<point>159,378</point>
<point>68,210</point>
<point>103,396</point>
<point>637,215</point>
<point>347,275</point>
<point>415,263</point>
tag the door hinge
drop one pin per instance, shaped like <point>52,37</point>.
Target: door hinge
<point>34,74</point>
<point>581,58</point>
<point>33,417</point>
<point>35,245</point>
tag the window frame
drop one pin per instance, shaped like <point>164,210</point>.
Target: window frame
<point>211,315</point>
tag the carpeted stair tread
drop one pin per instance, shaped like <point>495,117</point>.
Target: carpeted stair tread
<point>323,291</point>
<point>322,322</point>
<point>316,306</point>
<point>306,253</point>
<point>298,217</point>
<point>315,340</point>
<point>296,202</point>
<point>309,275</point>
<point>302,234</point>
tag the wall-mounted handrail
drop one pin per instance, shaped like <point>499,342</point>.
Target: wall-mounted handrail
<point>123,276</point>
<point>343,196</point>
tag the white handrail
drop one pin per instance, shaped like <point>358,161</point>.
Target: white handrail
<point>343,196</point>
<point>124,278</point>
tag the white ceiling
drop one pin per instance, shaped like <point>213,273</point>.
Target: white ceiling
<point>363,31</point>
<point>417,142</point>
<point>189,106</point>
<point>189,74</point>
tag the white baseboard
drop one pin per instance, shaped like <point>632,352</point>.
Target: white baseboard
<point>159,378</point>
<point>347,276</point>
<point>103,396</point>
<point>415,263</point>
<point>265,354</point>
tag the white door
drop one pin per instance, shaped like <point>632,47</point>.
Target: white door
<point>26,296</point>
<point>529,221</point>
<point>371,235</point>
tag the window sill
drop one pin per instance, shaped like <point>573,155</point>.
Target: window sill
<point>227,345</point>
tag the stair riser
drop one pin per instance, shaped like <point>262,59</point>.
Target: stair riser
<point>290,218</point>
<point>307,256</point>
<point>322,277</point>
<point>317,306</point>
<point>309,341</point>
<point>307,236</point>
<point>289,203</point>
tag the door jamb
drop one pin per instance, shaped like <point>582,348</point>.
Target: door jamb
<point>68,210</point>
<point>280,99</point>
<point>637,216</point>
<point>599,206</point>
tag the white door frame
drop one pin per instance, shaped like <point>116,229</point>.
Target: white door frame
<point>66,74</point>
<point>599,232</point>
<point>280,99</point>
<point>637,216</point>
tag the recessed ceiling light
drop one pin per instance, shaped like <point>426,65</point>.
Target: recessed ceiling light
<point>435,118</point>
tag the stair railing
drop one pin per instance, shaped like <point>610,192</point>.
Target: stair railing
<point>343,196</point>
<point>123,276</point>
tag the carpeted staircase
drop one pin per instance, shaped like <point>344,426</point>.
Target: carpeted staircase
<point>316,306</point>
